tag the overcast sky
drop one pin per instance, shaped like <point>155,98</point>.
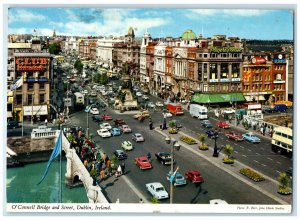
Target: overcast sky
<point>248,23</point>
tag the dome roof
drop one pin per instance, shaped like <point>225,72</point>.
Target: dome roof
<point>189,35</point>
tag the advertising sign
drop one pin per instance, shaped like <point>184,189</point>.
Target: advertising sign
<point>35,110</point>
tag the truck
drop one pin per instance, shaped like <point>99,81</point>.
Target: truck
<point>79,98</point>
<point>198,111</point>
<point>175,109</point>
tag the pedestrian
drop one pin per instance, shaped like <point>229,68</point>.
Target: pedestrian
<point>46,121</point>
<point>102,174</point>
<point>149,156</point>
<point>123,168</point>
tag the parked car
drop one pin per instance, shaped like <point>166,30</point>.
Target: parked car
<point>119,122</point>
<point>106,126</point>
<point>151,105</point>
<point>143,162</point>
<point>120,154</point>
<point>137,137</point>
<point>159,104</point>
<point>125,129</point>
<point>106,117</point>
<point>206,124</point>
<point>12,124</point>
<point>222,124</point>
<point>212,134</point>
<point>145,97</point>
<point>115,132</point>
<point>94,111</point>
<point>178,179</point>
<point>234,136</point>
<point>127,145</point>
<point>280,108</point>
<point>163,157</point>
<point>251,137</point>
<point>97,118</point>
<point>103,133</point>
<point>157,190</point>
<point>194,176</point>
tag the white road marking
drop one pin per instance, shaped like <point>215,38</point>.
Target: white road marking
<point>264,165</point>
<point>249,150</point>
<point>244,155</point>
<point>258,154</point>
<point>269,158</point>
<point>255,161</point>
<point>278,162</point>
<point>241,147</point>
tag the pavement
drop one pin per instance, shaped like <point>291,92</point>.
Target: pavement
<point>268,187</point>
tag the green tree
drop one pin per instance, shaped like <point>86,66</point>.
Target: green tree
<point>202,139</point>
<point>103,79</point>
<point>228,150</point>
<point>54,48</point>
<point>284,180</point>
<point>154,200</point>
<point>172,124</point>
<point>78,66</point>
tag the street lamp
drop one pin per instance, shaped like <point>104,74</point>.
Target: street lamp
<point>216,153</point>
<point>175,145</point>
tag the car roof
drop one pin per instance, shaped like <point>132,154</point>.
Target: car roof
<point>142,158</point>
<point>120,151</point>
<point>194,172</point>
<point>138,134</point>
<point>156,184</point>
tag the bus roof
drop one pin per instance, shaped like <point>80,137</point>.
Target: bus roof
<point>285,130</point>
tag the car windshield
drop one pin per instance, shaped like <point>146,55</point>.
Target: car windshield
<point>144,161</point>
<point>159,189</point>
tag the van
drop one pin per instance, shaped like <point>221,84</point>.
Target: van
<point>280,108</point>
<point>198,111</point>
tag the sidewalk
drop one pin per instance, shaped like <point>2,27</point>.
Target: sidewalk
<point>268,187</point>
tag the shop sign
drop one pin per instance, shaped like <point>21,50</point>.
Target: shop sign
<point>35,110</point>
<point>213,80</point>
<point>31,63</point>
<point>236,79</point>
<point>224,80</point>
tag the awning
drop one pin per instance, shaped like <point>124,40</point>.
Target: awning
<point>9,115</point>
<point>261,98</point>
<point>248,98</point>
<point>217,98</point>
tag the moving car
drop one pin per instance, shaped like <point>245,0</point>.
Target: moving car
<point>159,104</point>
<point>137,137</point>
<point>97,118</point>
<point>103,133</point>
<point>157,190</point>
<point>163,157</point>
<point>105,126</point>
<point>217,201</point>
<point>127,145</point>
<point>222,124</point>
<point>145,97</point>
<point>119,122</point>
<point>120,154</point>
<point>206,124</point>
<point>142,113</point>
<point>251,137</point>
<point>234,136</point>
<point>125,129</point>
<point>212,134</point>
<point>167,114</point>
<point>115,132</point>
<point>178,179</point>
<point>143,162</point>
<point>194,176</point>
<point>138,94</point>
<point>94,111</point>
<point>106,117</point>
<point>150,105</point>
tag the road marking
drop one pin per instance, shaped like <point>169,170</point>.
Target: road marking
<point>278,162</point>
<point>269,158</point>
<point>258,153</point>
<point>244,155</point>
<point>255,161</point>
<point>241,147</point>
<point>236,152</point>
<point>264,165</point>
<point>249,150</point>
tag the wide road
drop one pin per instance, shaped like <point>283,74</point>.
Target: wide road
<point>218,184</point>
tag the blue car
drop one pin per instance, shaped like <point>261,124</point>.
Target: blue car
<point>206,124</point>
<point>212,134</point>
<point>178,180</point>
<point>115,132</point>
<point>251,137</point>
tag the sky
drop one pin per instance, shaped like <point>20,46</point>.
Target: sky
<point>243,23</point>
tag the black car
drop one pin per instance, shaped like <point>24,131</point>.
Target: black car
<point>97,118</point>
<point>12,124</point>
<point>212,134</point>
<point>120,154</point>
<point>163,157</point>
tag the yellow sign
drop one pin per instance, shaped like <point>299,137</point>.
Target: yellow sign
<point>10,99</point>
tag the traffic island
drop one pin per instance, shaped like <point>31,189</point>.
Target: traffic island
<point>252,174</point>
<point>188,140</point>
<point>228,161</point>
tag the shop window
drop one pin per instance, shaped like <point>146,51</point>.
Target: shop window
<point>30,86</point>
<point>29,99</point>
<point>224,70</point>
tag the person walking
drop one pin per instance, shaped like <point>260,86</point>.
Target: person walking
<point>149,156</point>
<point>46,122</point>
<point>123,168</point>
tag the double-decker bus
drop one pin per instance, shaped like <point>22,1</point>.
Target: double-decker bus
<point>282,140</point>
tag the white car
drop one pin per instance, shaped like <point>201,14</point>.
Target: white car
<point>93,94</point>
<point>159,104</point>
<point>125,129</point>
<point>138,94</point>
<point>94,111</point>
<point>85,91</point>
<point>157,190</point>
<point>145,97</point>
<point>103,133</point>
<point>167,115</point>
<point>137,137</point>
<point>105,126</point>
<point>228,111</point>
<point>150,105</point>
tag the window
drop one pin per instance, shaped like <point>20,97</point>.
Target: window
<point>19,99</point>
<point>42,86</point>
<point>199,71</point>
<point>213,71</point>
<point>224,70</point>
<point>200,55</point>
<point>30,86</point>
<point>42,98</point>
<point>205,55</point>
<point>29,99</point>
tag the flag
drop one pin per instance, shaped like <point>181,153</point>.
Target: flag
<point>17,84</point>
<point>56,151</point>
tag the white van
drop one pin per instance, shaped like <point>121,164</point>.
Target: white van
<point>198,111</point>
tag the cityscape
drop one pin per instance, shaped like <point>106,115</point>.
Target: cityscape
<point>122,106</point>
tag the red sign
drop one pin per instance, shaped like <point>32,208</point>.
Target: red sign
<point>31,63</point>
<point>258,60</point>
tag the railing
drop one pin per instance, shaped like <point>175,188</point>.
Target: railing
<point>43,134</point>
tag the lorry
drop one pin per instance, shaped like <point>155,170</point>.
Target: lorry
<point>198,111</point>
<point>175,109</point>
<point>79,98</point>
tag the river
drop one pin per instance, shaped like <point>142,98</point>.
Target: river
<point>21,185</point>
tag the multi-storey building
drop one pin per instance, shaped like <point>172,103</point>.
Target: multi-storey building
<point>71,45</point>
<point>144,65</point>
<point>159,66</point>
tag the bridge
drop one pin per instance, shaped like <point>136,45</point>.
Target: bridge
<point>75,168</point>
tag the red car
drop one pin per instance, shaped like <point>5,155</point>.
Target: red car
<point>234,136</point>
<point>194,176</point>
<point>143,163</point>
<point>222,124</point>
<point>106,117</point>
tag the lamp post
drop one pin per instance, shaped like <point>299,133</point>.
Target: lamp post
<point>216,153</point>
<point>175,145</point>
<point>32,100</point>
<point>87,120</point>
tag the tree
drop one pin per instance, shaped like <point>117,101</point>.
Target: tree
<point>54,48</point>
<point>202,139</point>
<point>103,79</point>
<point>172,124</point>
<point>78,66</point>
<point>228,150</point>
<point>284,184</point>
